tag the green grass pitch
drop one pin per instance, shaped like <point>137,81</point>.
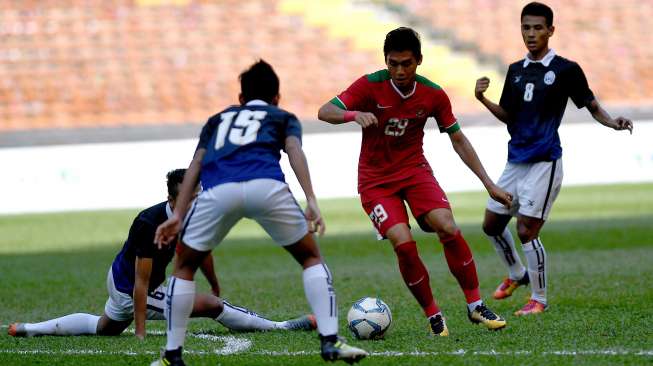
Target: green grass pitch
<point>599,241</point>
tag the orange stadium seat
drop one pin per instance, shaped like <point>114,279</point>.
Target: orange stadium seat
<point>604,37</point>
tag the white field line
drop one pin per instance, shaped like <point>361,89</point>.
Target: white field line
<point>236,345</point>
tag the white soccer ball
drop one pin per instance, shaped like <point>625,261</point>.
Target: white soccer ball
<point>369,318</point>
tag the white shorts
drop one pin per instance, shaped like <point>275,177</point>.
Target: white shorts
<point>120,306</point>
<point>534,187</point>
<point>267,201</point>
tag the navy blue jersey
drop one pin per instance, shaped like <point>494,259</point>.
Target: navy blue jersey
<point>245,142</point>
<point>535,96</point>
<point>140,243</point>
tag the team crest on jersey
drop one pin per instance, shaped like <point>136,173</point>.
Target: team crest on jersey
<point>421,112</point>
<point>549,77</point>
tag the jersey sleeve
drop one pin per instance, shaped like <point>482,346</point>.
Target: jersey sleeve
<point>293,127</point>
<point>356,97</point>
<point>443,113</point>
<point>207,133</point>
<point>506,98</point>
<point>142,235</point>
<point>579,90</point>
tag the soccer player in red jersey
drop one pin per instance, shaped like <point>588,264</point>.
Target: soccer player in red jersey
<point>392,106</point>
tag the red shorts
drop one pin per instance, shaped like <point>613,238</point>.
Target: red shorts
<point>384,203</point>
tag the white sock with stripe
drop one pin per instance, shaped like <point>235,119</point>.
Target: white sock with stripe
<point>318,286</point>
<point>504,245</point>
<point>69,325</point>
<point>536,260</point>
<point>179,305</point>
<point>237,318</point>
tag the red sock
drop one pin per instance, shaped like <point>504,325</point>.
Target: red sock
<point>462,266</point>
<point>416,277</point>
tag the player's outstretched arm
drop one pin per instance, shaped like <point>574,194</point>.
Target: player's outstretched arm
<point>168,231</point>
<point>299,165</point>
<point>602,117</point>
<point>141,284</point>
<point>333,114</point>
<point>468,155</point>
<point>481,87</point>
<point>209,272</point>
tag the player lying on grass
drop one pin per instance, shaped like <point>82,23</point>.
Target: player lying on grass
<point>392,106</point>
<point>136,291</point>
<point>532,104</point>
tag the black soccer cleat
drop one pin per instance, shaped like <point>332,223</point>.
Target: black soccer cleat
<point>334,350</point>
<point>169,358</point>
<point>485,316</point>
<point>438,326</point>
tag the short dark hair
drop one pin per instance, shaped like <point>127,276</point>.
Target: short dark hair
<point>259,82</point>
<point>402,39</point>
<point>539,10</point>
<point>174,178</point>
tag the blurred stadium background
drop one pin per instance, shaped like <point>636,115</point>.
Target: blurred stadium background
<point>90,71</point>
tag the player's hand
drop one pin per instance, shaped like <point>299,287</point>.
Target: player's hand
<point>481,86</point>
<point>366,119</point>
<point>314,217</point>
<point>167,231</point>
<point>622,123</point>
<point>500,196</point>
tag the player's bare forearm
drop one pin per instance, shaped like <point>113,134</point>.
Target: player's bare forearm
<point>209,272</point>
<point>331,113</point>
<point>604,118</point>
<point>141,284</point>
<point>468,155</point>
<point>189,184</point>
<point>299,165</point>
<point>495,109</point>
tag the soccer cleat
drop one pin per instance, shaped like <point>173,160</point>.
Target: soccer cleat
<point>17,330</point>
<point>485,316</point>
<point>169,358</point>
<point>508,286</point>
<point>438,326</point>
<point>339,350</point>
<point>531,307</point>
<point>306,322</point>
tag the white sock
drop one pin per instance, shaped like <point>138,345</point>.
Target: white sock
<point>472,306</point>
<point>536,260</point>
<point>179,305</point>
<point>237,318</point>
<point>505,247</point>
<point>73,324</point>
<point>318,286</point>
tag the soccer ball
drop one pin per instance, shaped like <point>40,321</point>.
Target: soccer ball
<point>369,318</point>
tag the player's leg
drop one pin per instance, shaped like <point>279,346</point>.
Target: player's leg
<point>461,264</point>
<point>242,319</point>
<point>209,220</point>
<point>68,325</point>
<point>390,219</point>
<point>539,190</point>
<point>271,204</point>
<point>495,227</point>
<point>118,314</point>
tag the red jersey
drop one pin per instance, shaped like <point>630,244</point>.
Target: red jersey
<point>392,150</point>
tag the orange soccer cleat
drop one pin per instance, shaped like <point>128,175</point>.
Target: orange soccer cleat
<point>508,286</point>
<point>531,307</point>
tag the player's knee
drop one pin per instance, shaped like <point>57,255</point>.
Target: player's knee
<point>526,233</point>
<point>446,230</point>
<point>490,229</point>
